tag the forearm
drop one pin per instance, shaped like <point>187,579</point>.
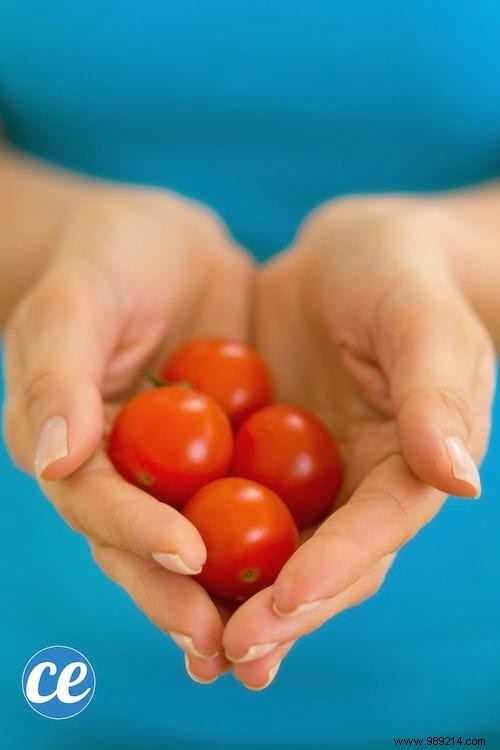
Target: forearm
<point>34,199</point>
<point>475,250</point>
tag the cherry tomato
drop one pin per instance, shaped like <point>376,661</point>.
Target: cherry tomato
<point>230,372</point>
<point>289,450</point>
<point>171,441</point>
<point>248,532</point>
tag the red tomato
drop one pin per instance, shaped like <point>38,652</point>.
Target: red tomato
<point>171,441</point>
<point>230,372</point>
<point>290,451</point>
<point>248,532</point>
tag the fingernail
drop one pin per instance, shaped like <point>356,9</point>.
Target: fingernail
<point>463,466</point>
<point>254,652</point>
<point>300,610</point>
<point>270,677</point>
<point>52,444</point>
<point>186,643</point>
<point>195,677</point>
<point>175,563</point>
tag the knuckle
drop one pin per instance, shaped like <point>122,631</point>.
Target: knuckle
<point>378,220</point>
<point>441,398</point>
<point>342,211</point>
<point>121,526</point>
<point>392,513</point>
<point>59,293</point>
<point>66,294</point>
<point>209,220</point>
<point>456,404</point>
<point>38,388</point>
<point>62,295</point>
<point>110,223</point>
<point>123,216</point>
<point>346,543</point>
<point>399,516</point>
<point>105,210</point>
<point>152,573</point>
<point>144,588</point>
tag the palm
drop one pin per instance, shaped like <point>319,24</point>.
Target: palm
<point>381,502</point>
<point>311,371</point>
<point>351,398</point>
<point>154,330</point>
<point>368,337</point>
<point>163,292</point>
<point>145,340</point>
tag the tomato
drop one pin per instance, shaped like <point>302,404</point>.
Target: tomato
<point>171,441</point>
<point>230,372</point>
<point>289,450</point>
<point>248,532</point>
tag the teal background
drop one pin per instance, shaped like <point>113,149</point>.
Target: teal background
<point>262,109</point>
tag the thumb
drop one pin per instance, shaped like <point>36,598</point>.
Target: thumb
<point>441,372</point>
<point>56,348</point>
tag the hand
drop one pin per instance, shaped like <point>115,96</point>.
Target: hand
<point>364,324</point>
<point>134,273</point>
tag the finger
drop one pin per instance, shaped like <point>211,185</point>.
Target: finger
<point>256,631</point>
<point>205,671</point>
<point>387,509</point>
<point>441,368</point>
<point>175,604</point>
<point>225,309</point>
<point>56,349</point>
<point>259,674</point>
<point>96,501</point>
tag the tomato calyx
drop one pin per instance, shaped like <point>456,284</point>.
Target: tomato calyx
<point>146,479</point>
<point>250,575</point>
<point>161,383</point>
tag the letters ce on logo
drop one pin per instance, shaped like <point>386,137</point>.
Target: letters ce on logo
<point>58,682</point>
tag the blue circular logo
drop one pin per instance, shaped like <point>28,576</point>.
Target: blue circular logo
<point>58,682</point>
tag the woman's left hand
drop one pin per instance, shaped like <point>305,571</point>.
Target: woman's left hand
<point>363,322</point>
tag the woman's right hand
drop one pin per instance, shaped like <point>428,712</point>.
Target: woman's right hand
<point>134,273</point>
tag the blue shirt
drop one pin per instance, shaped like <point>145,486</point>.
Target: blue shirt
<point>261,109</point>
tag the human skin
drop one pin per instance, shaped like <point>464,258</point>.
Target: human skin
<point>130,274</point>
<point>388,349</point>
<point>390,301</point>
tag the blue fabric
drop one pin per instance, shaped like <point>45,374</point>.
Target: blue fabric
<point>262,109</point>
